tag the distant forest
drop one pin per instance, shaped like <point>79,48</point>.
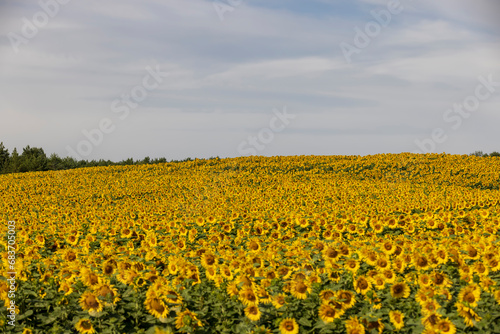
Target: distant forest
<point>34,159</point>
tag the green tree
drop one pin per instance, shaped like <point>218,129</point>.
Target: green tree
<point>33,159</point>
<point>4,158</point>
<point>14,162</point>
<point>55,162</point>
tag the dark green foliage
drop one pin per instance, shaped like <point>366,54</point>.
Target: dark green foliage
<point>34,159</point>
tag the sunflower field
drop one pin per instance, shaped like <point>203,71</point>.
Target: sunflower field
<point>385,243</point>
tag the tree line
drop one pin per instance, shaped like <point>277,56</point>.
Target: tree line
<point>34,159</point>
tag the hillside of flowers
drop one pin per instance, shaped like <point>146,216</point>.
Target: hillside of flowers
<point>305,244</point>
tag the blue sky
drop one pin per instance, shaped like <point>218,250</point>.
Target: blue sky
<point>223,79</point>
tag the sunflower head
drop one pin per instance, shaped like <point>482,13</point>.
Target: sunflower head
<point>84,326</point>
<point>288,326</point>
<point>400,290</point>
<point>89,302</point>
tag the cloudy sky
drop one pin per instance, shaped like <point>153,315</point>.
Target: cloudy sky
<point>194,78</point>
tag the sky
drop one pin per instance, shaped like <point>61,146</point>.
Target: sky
<point>173,78</point>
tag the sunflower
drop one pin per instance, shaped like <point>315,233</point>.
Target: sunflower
<point>328,313</point>
<point>84,326</point>
<point>440,280</point>
<point>424,280</point>
<point>187,318</point>
<point>254,245</point>
<point>300,289</point>
<point>208,260</point>
<point>445,326</point>
<point>400,290</point>
<point>252,312</point>
<point>352,266</point>
<point>278,301</point>
<point>468,314</point>
<point>90,278</point>
<point>72,239</point>
<point>362,285</point>
<point>107,292</point>
<point>469,295</point>
<point>472,252</point>
<point>496,294</point>
<point>248,297</point>
<point>211,273</point>
<point>353,326</point>
<point>334,276</point>
<point>69,255</point>
<point>389,276</point>
<point>371,325</point>
<point>430,307</point>
<point>430,320</point>
<point>420,262</point>
<point>156,307</point>
<point>480,269</point>
<point>326,295</point>
<point>173,268</point>
<point>89,302</point>
<point>40,240</point>
<point>346,298</point>
<point>299,276</point>
<point>232,289</point>
<point>330,253</point>
<point>109,267</point>
<point>382,264</point>
<point>396,318</point>
<point>126,233</point>
<point>288,326</point>
<point>378,281</point>
<point>66,288</point>
<point>27,331</point>
<point>226,272</point>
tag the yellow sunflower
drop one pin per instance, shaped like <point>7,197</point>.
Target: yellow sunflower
<point>346,298</point>
<point>352,265</point>
<point>252,312</point>
<point>278,301</point>
<point>248,297</point>
<point>328,313</point>
<point>90,303</point>
<point>362,285</point>
<point>107,292</point>
<point>353,326</point>
<point>208,260</point>
<point>396,318</point>
<point>400,290</point>
<point>300,289</point>
<point>326,295</point>
<point>156,307</point>
<point>84,326</point>
<point>470,317</point>
<point>288,326</point>
<point>470,295</point>
<point>445,326</point>
<point>187,318</point>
